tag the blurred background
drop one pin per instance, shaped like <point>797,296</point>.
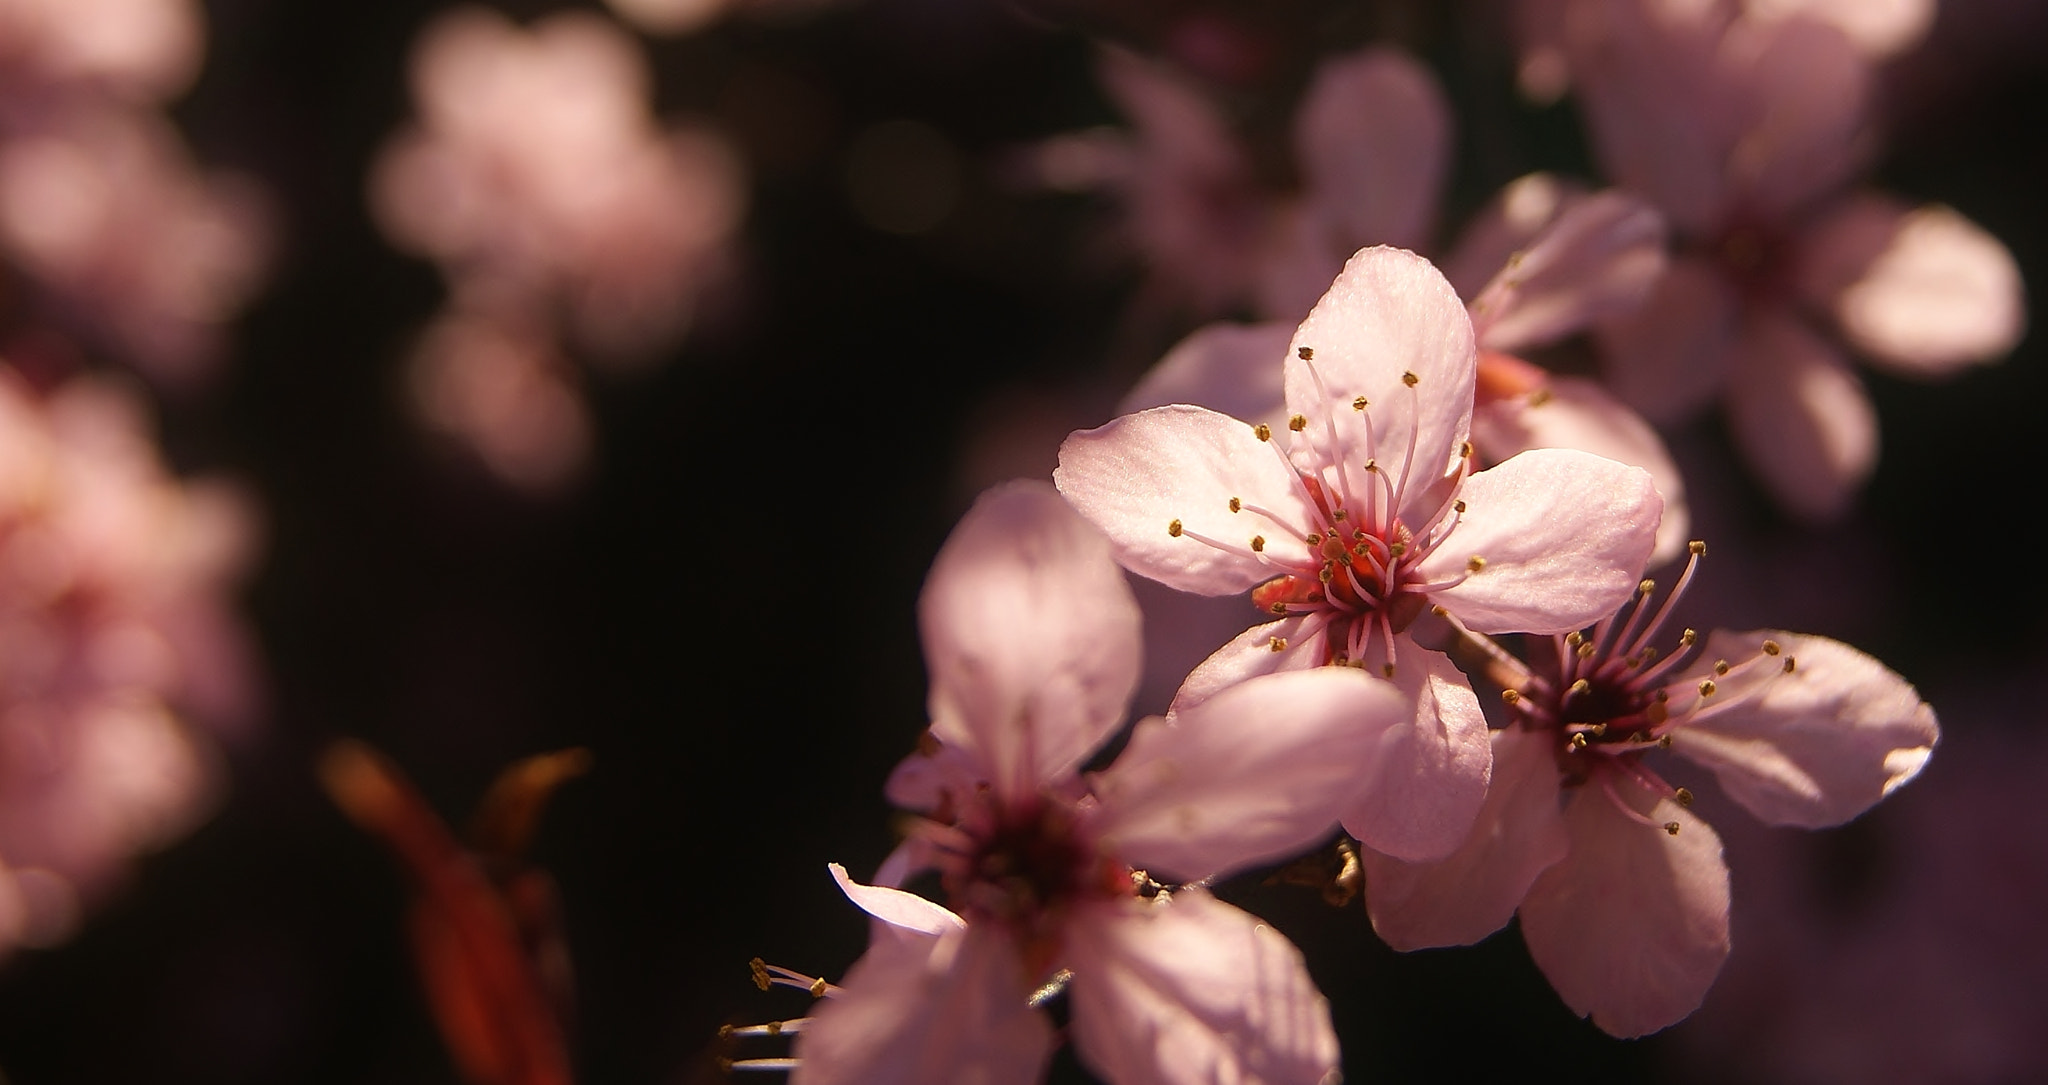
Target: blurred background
<point>637,430</point>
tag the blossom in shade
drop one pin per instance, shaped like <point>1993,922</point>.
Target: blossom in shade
<point>1359,514</point>
<point>1032,642</point>
<point>141,50</point>
<point>1748,134</point>
<point>119,659</point>
<point>1622,891</point>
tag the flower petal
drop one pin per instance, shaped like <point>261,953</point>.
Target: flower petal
<point>1573,412</point>
<point>1631,927</point>
<point>1253,774</point>
<point>1373,136</point>
<point>1031,637</point>
<point>1290,644</point>
<point>927,1011</point>
<point>1549,541</point>
<point>1475,890</point>
<point>1598,258</point>
<point>1801,416</point>
<point>1921,291</point>
<point>1231,369</point>
<point>1415,796</point>
<point>906,911</point>
<point>1390,315</point>
<point>1139,475</point>
<point>1193,992</point>
<point>1670,356</point>
<point>1817,745</point>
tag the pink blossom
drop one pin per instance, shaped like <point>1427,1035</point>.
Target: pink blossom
<point>127,240</point>
<point>142,50</point>
<point>1622,891</point>
<point>1748,135</point>
<point>1032,642</point>
<point>1368,519</point>
<point>115,643</point>
<point>690,16</point>
<point>503,392</point>
<point>539,181</point>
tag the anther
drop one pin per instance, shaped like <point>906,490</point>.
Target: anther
<point>760,969</point>
<point>1539,397</point>
<point>1306,354</point>
<point>1298,423</point>
<point>1598,730</point>
<point>1696,548</point>
<point>1586,651</point>
<point>1324,574</point>
<point>1721,667</point>
<point>1372,465</point>
<point>1579,741</point>
<point>1337,514</point>
<point>1264,431</point>
<point>1173,529</point>
<point>1459,504</point>
<point>1706,687</point>
<point>1387,670</point>
<point>1465,450</point>
<point>1671,827</point>
<point>1574,638</point>
<point>1258,544</point>
<point>1771,648</point>
<point>1474,563</point>
<point>1360,404</point>
<point>1236,505</point>
<point>1644,588</point>
<point>1278,608</point>
<point>1686,638</point>
<point>1511,696</point>
<point>1315,538</point>
<point>1663,742</point>
<point>1683,796</point>
<point>1438,610</point>
<point>1358,536</point>
<point>1396,549</point>
<point>1278,644</point>
<point>1788,664</point>
<point>1410,379</point>
<point>819,988</point>
<point>1581,687</point>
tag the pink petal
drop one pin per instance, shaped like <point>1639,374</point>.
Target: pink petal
<point>927,1011</point>
<point>1801,417</point>
<point>1373,137</point>
<point>1194,992</point>
<point>1253,774</point>
<point>1573,412</point>
<point>1878,28</point>
<point>1475,890</point>
<point>1414,797</point>
<point>924,779</point>
<point>1670,357</point>
<point>1808,95</point>
<point>1389,315</point>
<point>1144,472</point>
<point>1560,538</point>
<point>1631,927</point>
<point>1030,635</point>
<point>1510,222</point>
<point>1290,644</point>
<point>1231,369</point>
<point>906,911</point>
<point>1598,259</point>
<point>1818,745</point>
<point>1922,291</point>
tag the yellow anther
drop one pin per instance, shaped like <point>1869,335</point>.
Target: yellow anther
<point>1278,644</point>
<point>1721,667</point>
<point>1396,549</point>
<point>1236,505</point>
<point>1459,504</point>
<point>1387,670</point>
<point>1574,638</point>
<point>1361,550</point>
<point>1511,696</point>
<point>1474,563</point>
<point>1671,827</point>
<point>1586,651</point>
<point>760,970</point>
<point>1324,574</point>
<point>1315,538</point>
<point>1706,687</point>
<point>1465,450</point>
<point>1646,587</point>
<point>1278,608</point>
<point>1581,687</point>
<point>1264,431</point>
<point>1686,638</point>
<point>1771,648</point>
<point>1258,544</point>
<point>725,1032</point>
<point>1358,536</point>
<point>1373,465</point>
<point>1410,379</point>
<point>819,988</point>
<point>1360,403</point>
<point>1338,515</point>
<point>775,1027</point>
<point>1663,742</point>
<point>1579,741</point>
<point>1697,548</point>
<point>1438,610</point>
<point>1683,796</point>
<point>1788,664</point>
<point>1306,354</point>
<point>1173,529</point>
<point>1298,423</point>
<point>1539,397</point>
<point>1599,730</point>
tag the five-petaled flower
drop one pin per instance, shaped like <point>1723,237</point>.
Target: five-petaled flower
<point>1032,639</point>
<point>1368,518</point>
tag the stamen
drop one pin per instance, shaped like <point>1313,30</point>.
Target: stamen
<point>1306,354</point>
<point>1173,528</point>
<point>1264,431</point>
<point>1236,505</point>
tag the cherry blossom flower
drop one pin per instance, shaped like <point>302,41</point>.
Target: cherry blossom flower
<point>1032,641</point>
<point>118,657</point>
<point>1622,891</point>
<point>141,50</point>
<point>1367,520</point>
<point>1748,135</point>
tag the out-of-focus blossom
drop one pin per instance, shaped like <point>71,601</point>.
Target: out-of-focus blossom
<point>1371,144</point>
<point>1367,520</point>
<point>506,394</point>
<point>129,244</point>
<point>115,642</point>
<point>1748,135</point>
<point>541,184</point>
<point>1622,891</point>
<point>1032,641</point>
<point>141,50</point>
<point>687,16</point>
